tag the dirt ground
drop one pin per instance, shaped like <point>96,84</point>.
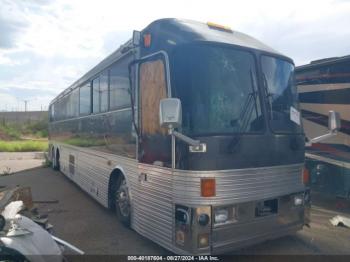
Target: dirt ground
<point>16,162</point>
<point>80,220</point>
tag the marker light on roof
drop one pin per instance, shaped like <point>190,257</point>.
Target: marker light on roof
<point>219,27</point>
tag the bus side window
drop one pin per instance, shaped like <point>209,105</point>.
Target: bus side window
<point>119,85</point>
<point>155,144</point>
<point>85,99</point>
<point>96,95</point>
<point>104,91</point>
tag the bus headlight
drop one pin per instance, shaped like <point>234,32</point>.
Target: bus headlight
<point>298,200</point>
<point>220,215</point>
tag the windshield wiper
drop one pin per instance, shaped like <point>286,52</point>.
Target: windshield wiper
<point>245,115</point>
<point>267,95</point>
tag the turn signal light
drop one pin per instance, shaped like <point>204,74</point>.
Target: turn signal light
<point>306,176</point>
<point>208,187</point>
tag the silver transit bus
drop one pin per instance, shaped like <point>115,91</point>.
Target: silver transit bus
<point>191,132</point>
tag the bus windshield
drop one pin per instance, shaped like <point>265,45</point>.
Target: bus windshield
<point>218,90</point>
<point>281,95</point>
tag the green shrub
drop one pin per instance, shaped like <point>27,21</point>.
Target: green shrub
<point>23,146</point>
<point>14,131</point>
<point>10,131</point>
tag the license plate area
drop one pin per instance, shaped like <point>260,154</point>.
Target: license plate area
<point>266,208</point>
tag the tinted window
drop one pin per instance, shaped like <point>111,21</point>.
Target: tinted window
<point>62,108</point>
<point>96,95</point>
<point>74,103</point>
<point>281,94</point>
<point>104,92</point>
<point>119,84</point>
<point>85,99</point>
<point>52,112</point>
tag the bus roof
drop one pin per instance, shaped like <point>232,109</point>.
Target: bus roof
<point>182,31</point>
<point>169,31</point>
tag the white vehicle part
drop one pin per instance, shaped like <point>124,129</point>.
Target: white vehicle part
<point>12,209</point>
<point>70,246</point>
<point>35,243</point>
<point>340,220</point>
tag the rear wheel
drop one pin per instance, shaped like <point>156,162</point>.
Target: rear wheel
<point>56,160</point>
<point>122,201</point>
<point>53,158</point>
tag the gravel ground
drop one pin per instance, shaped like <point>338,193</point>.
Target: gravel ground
<point>80,220</point>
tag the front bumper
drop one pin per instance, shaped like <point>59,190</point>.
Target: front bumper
<point>250,229</point>
<point>248,226</point>
<point>236,236</point>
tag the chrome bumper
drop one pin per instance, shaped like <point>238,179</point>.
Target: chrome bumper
<point>233,237</point>
<point>252,229</point>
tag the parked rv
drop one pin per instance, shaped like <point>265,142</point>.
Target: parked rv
<point>324,85</point>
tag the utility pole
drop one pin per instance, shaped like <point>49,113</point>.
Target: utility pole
<point>25,105</point>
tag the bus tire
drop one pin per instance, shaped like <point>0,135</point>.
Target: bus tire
<point>56,161</point>
<point>122,201</point>
<point>52,157</point>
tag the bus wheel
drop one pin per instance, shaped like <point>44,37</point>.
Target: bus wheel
<point>53,160</point>
<point>122,205</point>
<point>56,161</point>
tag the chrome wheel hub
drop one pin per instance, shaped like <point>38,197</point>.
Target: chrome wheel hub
<point>123,199</point>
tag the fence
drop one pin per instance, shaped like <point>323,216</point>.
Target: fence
<point>22,117</point>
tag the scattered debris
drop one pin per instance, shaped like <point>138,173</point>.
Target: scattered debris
<point>340,221</point>
<point>24,194</point>
<point>8,195</point>
<point>24,231</point>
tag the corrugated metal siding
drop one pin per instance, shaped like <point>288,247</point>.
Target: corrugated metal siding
<point>93,169</point>
<point>153,206</point>
<point>240,185</point>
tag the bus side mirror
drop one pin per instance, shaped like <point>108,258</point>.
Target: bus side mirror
<point>333,121</point>
<point>333,126</point>
<point>170,113</point>
<point>136,38</point>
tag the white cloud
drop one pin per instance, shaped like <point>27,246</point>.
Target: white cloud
<point>8,102</point>
<point>47,45</point>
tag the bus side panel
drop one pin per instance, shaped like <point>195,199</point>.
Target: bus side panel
<point>238,185</point>
<point>153,205</point>
<point>92,169</point>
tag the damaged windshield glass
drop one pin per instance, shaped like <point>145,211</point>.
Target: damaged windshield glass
<point>218,90</point>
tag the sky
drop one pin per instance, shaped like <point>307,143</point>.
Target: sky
<point>45,45</point>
